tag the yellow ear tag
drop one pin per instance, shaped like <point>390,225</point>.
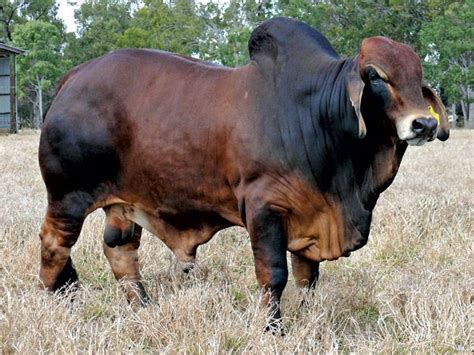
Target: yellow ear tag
<point>433,113</point>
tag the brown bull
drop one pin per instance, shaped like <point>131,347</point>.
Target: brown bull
<point>295,146</point>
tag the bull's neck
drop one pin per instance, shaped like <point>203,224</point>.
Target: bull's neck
<point>319,133</point>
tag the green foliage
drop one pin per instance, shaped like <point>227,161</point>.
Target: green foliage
<point>346,23</point>
<point>440,30</point>
<point>448,47</point>
<point>43,59</point>
<point>19,11</point>
<point>172,26</point>
<point>41,66</point>
<point>100,24</point>
<point>229,28</point>
<point>35,10</point>
<point>318,14</point>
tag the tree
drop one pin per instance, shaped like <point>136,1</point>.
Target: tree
<point>168,25</point>
<point>41,66</point>
<point>19,11</point>
<point>8,15</point>
<point>441,30</point>
<point>346,23</point>
<point>100,24</point>
<point>448,47</point>
<point>228,29</point>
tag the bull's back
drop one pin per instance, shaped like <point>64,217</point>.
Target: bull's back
<point>144,125</point>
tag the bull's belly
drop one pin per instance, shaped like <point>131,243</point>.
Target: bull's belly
<point>181,231</point>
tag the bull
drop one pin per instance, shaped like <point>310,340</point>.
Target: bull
<point>296,146</point>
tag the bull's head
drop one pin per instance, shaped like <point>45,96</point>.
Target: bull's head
<point>389,82</point>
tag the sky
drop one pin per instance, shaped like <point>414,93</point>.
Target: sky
<point>66,12</point>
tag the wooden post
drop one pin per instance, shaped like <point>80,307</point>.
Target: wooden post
<point>13,104</point>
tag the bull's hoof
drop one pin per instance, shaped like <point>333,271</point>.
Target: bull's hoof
<point>307,285</point>
<point>187,267</point>
<point>139,302</point>
<point>67,280</point>
<point>275,327</point>
<point>135,292</point>
<point>275,324</point>
<point>142,299</point>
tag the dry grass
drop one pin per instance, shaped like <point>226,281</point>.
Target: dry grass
<point>409,290</point>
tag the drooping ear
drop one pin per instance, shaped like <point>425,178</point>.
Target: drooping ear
<point>437,110</point>
<point>355,87</point>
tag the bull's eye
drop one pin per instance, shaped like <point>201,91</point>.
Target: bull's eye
<point>378,88</point>
<point>373,75</point>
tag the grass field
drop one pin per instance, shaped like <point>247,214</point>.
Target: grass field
<point>410,289</point>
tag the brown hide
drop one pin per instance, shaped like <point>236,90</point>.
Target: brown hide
<point>296,146</point>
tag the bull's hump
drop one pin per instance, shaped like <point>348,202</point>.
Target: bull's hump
<point>282,34</point>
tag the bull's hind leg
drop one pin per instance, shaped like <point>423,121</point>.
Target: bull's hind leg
<point>121,242</point>
<point>59,232</point>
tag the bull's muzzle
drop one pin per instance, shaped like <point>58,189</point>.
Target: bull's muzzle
<point>425,128</point>
<point>417,130</point>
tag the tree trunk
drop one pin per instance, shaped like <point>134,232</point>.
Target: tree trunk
<point>454,115</point>
<point>466,110</point>
<point>465,105</point>
<point>40,106</point>
<point>465,113</point>
<point>469,107</point>
<point>35,123</point>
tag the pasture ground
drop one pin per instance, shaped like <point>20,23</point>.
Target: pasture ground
<point>410,289</point>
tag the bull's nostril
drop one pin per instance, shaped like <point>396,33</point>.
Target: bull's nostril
<point>419,125</point>
<point>424,126</point>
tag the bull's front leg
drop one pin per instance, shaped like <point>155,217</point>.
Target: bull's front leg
<point>269,245</point>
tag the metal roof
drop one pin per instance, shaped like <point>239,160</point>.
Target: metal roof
<point>7,48</point>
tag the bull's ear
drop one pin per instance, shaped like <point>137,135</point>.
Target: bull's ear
<point>437,109</point>
<point>355,87</point>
